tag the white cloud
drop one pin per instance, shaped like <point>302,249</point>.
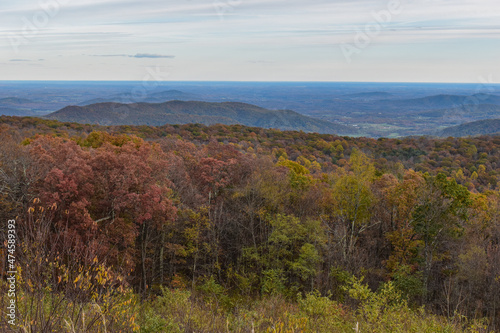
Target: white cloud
<point>138,55</point>
<point>234,38</point>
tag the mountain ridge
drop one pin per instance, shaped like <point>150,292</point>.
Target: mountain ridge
<point>157,97</point>
<point>474,128</point>
<point>207,113</point>
<point>449,100</point>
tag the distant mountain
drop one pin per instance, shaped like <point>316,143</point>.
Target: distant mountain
<point>170,95</point>
<point>14,101</point>
<point>158,97</point>
<point>6,111</point>
<point>181,112</point>
<point>472,112</point>
<point>480,127</point>
<point>486,99</point>
<point>443,101</point>
<point>99,100</point>
<point>14,106</point>
<point>368,95</point>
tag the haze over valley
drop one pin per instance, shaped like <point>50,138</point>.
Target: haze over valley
<point>356,109</point>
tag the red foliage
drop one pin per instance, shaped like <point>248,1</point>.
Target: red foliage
<point>104,195</point>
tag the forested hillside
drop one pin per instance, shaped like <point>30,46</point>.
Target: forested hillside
<point>182,112</point>
<point>487,126</point>
<point>189,228</point>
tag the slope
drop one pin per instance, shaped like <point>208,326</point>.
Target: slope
<point>181,112</point>
<point>480,127</point>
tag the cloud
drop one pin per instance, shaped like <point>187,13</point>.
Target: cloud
<point>18,60</point>
<point>138,55</point>
<point>298,38</point>
<point>153,56</point>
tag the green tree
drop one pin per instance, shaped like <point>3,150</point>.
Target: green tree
<point>440,215</point>
<point>352,202</point>
<point>291,256</point>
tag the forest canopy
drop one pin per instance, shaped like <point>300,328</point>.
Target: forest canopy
<point>335,231</point>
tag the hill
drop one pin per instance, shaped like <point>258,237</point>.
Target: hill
<point>375,95</point>
<point>14,101</point>
<point>7,111</point>
<point>13,106</point>
<point>467,112</point>
<point>170,95</point>
<point>181,112</point>
<point>443,101</point>
<point>273,206</point>
<point>157,97</point>
<point>480,127</point>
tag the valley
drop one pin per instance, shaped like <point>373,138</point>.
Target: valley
<point>356,109</point>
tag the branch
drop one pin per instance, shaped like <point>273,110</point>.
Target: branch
<point>103,219</point>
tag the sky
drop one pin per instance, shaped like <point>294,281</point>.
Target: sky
<point>251,40</point>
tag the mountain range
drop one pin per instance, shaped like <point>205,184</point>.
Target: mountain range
<point>367,96</point>
<point>157,97</point>
<point>475,128</point>
<point>183,112</point>
<point>364,109</point>
<point>441,101</point>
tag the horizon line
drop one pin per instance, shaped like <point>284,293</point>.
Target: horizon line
<point>253,81</point>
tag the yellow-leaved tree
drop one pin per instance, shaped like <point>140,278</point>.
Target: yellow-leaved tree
<point>352,202</point>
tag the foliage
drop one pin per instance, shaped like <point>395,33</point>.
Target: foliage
<point>230,228</point>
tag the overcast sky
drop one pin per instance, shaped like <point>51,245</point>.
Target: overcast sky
<point>251,40</point>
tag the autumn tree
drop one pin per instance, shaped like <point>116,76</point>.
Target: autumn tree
<point>440,215</point>
<point>112,199</point>
<point>352,200</point>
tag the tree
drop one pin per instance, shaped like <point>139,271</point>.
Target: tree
<point>352,202</point>
<point>403,197</point>
<point>440,215</point>
<point>113,200</point>
<point>290,257</point>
